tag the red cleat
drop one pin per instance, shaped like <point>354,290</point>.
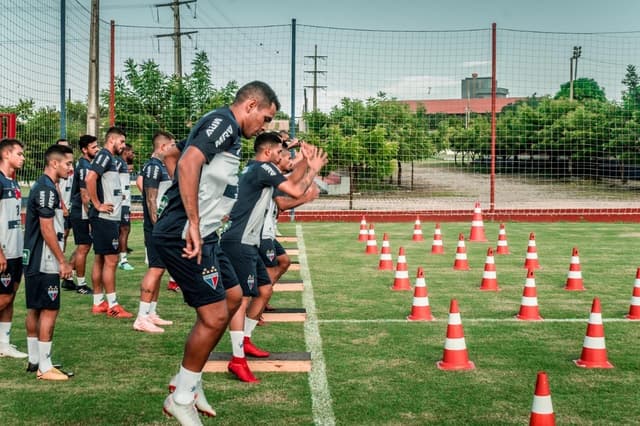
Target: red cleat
<point>173,286</point>
<point>253,350</point>
<point>117,311</point>
<point>102,308</point>
<point>239,368</point>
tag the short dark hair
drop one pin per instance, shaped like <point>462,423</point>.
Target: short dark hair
<point>266,138</point>
<point>8,143</point>
<point>63,140</point>
<point>114,131</point>
<point>159,135</point>
<point>128,147</point>
<point>262,91</point>
<point>85,140</point>
<point>56,150</point>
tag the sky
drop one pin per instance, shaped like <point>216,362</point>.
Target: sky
<point>406,49</point>
<point>539,15</point>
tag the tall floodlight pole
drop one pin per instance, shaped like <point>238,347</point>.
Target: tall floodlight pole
<point>93,117</point>
<point>63,81</point>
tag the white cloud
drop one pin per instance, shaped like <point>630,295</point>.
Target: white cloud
<point>472,64</point>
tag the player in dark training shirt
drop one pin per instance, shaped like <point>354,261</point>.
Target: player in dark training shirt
<point>155,182</point>
<point>80,211</point>
<point>202,194</point>
<point>43,260</point>
<point>11,240</point>
<point>105,192</point>
<point>242,239</point>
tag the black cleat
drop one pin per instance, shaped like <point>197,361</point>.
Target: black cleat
<point>84,289</point>
<point>129,250</point>
<point>32,368</point>
<point>68,285</point>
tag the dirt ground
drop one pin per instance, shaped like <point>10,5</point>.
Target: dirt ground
<point>441,188</point>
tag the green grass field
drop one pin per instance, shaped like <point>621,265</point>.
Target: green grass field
<point>380,369</point>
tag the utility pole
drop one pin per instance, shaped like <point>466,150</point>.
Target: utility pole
<point>176,35</point>
<point>315,73</point>
<point>573,72</point>
<point>93,117</point>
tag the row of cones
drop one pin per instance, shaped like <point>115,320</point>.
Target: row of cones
<point>476,233</point>
<point>456,356</point>
<point>437,246</point>
<point>529,308</point>
<point>574,282</point>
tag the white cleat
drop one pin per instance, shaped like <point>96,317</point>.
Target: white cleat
<point>145,325</point>
<point>186,414</point>
<point>202,405</point>
<point>9,350</point>
<point>159,321</point>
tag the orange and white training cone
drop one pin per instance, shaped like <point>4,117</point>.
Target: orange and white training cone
<point>503,247</point>
<point>401,280</point>
<point>634,308</point>
<point>477,225</point>
<point>529,310</point>
<point>542,409</point>
<point>531,261</point>
<point>437,247</point>
<point>372,245</point>
<point>594,351</point>
<point>574,278</point>
<point>363,234</point>
<point>455,356</point>
<point>417,231</point>
<point>489,278</point>
<point>461,263</point>
<point>385,263</point>
<point>420,310</point>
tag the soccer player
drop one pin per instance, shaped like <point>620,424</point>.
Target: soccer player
<point>155,182</point>
<point>43,260</point>
<point>273,255</point>
<point>11,240</point>
<point>125,161</point>
<point>79,215</point>
<point>65,185</point>
<point>241,240</point>
<point>105,193</point>
<point>203,191</point>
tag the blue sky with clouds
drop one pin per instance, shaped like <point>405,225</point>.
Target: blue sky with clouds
<point>540,15</point>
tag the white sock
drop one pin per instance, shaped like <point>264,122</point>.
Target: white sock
<point>123,257</point>
<point>186,386</point>
<point>143,310</point>
<point>5,332</point>
<point>111,299</point>
<point>81,281</point>
<point>237,341</point>
<point>249,326</point>
<point>98,298</point>
<point>44,362</point>
<point>32,350</point>
<point>152,307</point>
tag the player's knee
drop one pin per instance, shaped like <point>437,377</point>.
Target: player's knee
<point>284,262</point>
<point>215,319</point>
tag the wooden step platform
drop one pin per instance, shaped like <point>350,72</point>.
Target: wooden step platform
<point>279,362</point>
<point>288,285</point>
<point>293,251</point>
<point>295,266</point>
<point>286,315</point>
<point>287,239</point>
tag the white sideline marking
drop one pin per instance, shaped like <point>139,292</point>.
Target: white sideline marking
<point>466,320</point>
<point>321,402</point>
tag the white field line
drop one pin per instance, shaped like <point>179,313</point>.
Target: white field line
<point>464,320</point>
<point>321,402</point>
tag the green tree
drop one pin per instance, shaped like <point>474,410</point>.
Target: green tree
<point>631,96</point>
<point>583,89</point>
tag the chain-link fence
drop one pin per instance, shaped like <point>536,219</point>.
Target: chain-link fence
<point>404,115</point>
